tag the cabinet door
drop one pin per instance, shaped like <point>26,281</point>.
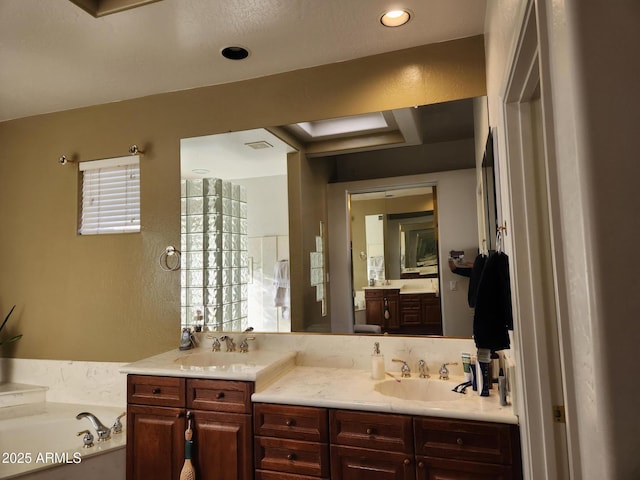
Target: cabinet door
<point>374,307</point>
<point>155,442</point>
<point>350,463</point>
<point>393,305</point>
<point>431,314</point>
<point>410,311</point>
<point>223,446</point>
<point>442,469</point>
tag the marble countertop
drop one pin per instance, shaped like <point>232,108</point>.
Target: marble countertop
<point>260,366</point>
<point>403,289</point>
<point>355,390</point>
<point>278,379</point>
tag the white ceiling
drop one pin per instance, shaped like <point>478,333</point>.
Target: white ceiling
<point>227,155</point>
<point>54,56</point>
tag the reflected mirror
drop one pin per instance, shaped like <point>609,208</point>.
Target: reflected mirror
<point>234,220</point>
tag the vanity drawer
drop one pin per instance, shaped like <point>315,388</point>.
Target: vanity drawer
<point>392,433</point>
<point>292,456</point>
<point>465,440</point>
<point>219,395</point>
<point>285,421</point>
<point>161,391</point>
<point>268,475</point>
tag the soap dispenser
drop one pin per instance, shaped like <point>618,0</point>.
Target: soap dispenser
<point>377,363</point>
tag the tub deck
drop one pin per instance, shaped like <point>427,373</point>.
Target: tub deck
<point>44,436</point>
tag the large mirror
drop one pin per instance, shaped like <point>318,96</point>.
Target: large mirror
<point>235,238</point>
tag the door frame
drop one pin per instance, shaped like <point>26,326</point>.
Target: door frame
<point>543,353</point>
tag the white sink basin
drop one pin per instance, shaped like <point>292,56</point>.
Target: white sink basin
<point>257,358</point>
<point>422,389</point>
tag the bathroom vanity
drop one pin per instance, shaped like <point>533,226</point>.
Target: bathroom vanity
<point>268,418</point>
<point>411,311</point>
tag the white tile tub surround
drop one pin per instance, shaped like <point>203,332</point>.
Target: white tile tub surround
<point>93,383</point>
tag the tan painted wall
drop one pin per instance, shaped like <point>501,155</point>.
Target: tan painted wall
<point>105,298</point>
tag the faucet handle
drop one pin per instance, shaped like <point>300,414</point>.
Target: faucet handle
<point>405,370</point>
<point>244,345</point>
<point>117,425</point>
<point>87,439</point>
<point>215,346</point>
<point>444,371</point>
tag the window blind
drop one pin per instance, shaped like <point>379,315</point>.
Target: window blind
<point>110,196</point>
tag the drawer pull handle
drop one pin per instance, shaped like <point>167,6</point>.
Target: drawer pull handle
<point>371,431</point>
<point>459,441</point>
<point>219,395</point>
<point>291,456</point>
<point>420,464</point>
<point>290,422</point>
<point>407,461</point>
<point>156,390</point>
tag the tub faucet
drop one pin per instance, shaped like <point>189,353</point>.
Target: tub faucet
<point>231,346</point>
<point>104,433</point>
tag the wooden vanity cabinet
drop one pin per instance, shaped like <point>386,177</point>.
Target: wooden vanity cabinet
<point>291,442</point>
<point>465,449</point>
<point>371,445</point>
<point>220,413</point>
<point>378,300</point>
<point>420,313</point>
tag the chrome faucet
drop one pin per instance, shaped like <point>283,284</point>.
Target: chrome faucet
<point>104,433</point>
<point>422,367</point>
<point>244,345</point>
<point>231,346</point>
<point>404,370</point>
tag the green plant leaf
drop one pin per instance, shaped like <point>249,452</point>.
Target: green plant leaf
<point>12,339</point>
<point>7,317</point>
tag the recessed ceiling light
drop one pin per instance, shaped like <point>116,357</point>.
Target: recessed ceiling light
<point>235,53</point>
<point>200,171</point>
<point>395,18</point>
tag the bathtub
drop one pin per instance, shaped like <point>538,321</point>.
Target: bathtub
<point>41,442</point>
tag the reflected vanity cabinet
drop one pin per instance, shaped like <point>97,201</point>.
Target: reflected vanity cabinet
<point>383,307</point>
<point>417,313</point>
<point>220,414</point>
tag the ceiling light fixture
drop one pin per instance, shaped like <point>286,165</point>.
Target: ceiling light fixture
<point>235,53</point>
<point>259,145</point>
<point>395,18</point>
<point>200,171</point>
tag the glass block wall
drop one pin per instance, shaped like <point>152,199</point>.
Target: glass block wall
<point>214,270</point>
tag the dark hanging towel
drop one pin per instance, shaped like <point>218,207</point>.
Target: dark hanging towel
<point>493,315</point>
<point>474,278</point>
